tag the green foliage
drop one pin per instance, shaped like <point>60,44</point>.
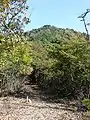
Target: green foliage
<point>5,3</point>
<point>63,59</point>
<point>59,58</point>
<point>50,34</point>
<point>86,102</point>
<point>72,65</point>
<point>15,59</point>
<point>40,55</point>
<point>14,17</point>
<point>13,52</point>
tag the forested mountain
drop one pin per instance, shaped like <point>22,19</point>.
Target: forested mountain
<point>62,58</point>
<point>52,34</point>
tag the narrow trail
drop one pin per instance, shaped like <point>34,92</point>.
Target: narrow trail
<point>39,108</point>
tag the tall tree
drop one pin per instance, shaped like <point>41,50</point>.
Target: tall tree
<point>13,18</point>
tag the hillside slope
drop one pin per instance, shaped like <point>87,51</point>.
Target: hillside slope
<point>52,34</point>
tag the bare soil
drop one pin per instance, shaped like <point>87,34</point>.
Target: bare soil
<point>18,108</point>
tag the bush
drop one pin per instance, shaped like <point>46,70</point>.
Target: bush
<point>66,68</point>
<point>87,103</point>
<point>15,59</point>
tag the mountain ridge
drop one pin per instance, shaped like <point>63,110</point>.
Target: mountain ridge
<point>48,33</point>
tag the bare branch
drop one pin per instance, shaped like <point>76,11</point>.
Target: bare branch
<point>82,16</point>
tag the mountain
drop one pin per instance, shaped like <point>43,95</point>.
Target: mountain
<point>52,34</point>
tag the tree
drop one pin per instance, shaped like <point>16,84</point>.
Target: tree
<point>83,18</point>
<point>5,3</point>
<point>15,57</point>
<point>13,18</point>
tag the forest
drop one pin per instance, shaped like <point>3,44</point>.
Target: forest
<point>55,59</point>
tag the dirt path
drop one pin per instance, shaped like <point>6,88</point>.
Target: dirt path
<point>12,108</point>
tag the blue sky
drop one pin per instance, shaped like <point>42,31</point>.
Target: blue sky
<point>60,13</point>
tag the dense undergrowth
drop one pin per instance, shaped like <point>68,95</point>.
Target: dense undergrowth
<point>15,59</point>
<point>58,59</point>
<point>61,59</point>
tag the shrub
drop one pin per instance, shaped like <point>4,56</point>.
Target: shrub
<point>86,102</point>
<point>15,59</point>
